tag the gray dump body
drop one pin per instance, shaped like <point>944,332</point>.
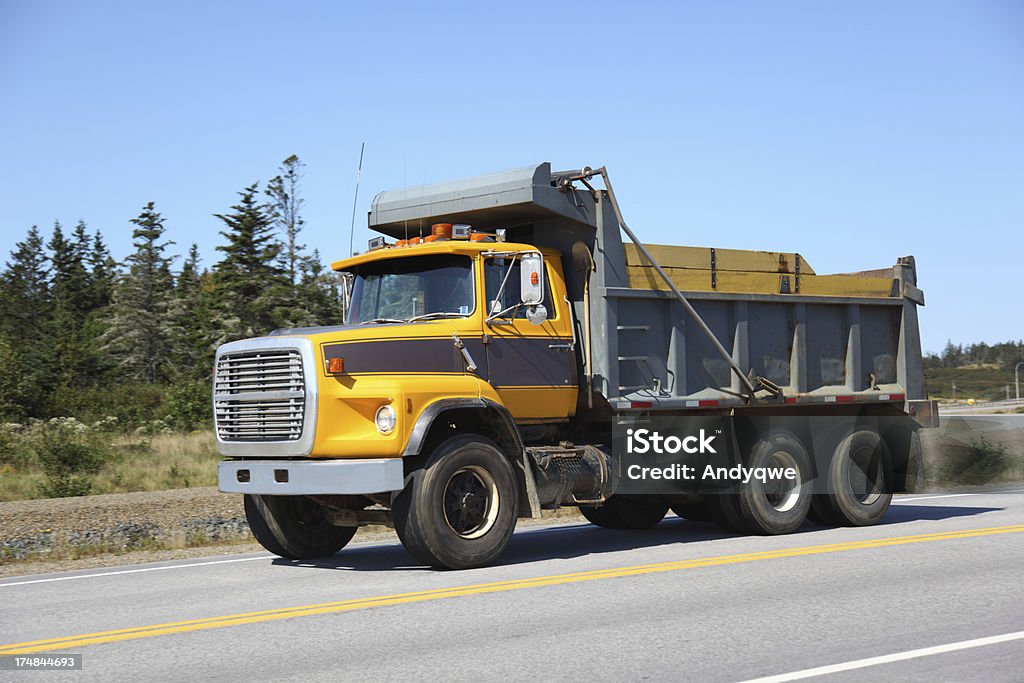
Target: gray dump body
<point>647,351</point>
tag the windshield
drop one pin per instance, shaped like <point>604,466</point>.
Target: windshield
<point>401,289</point>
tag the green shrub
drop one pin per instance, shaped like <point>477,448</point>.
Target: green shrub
<point>979,462</point>
<point>68,453</point>
<point>187,405</point>
<point>14,449</point>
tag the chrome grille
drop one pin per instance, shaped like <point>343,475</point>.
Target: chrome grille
<point>259,395</point>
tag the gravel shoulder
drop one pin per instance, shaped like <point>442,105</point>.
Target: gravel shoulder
<point>62,534</point>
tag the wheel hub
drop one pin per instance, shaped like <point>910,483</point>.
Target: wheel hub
<point>471,502</point>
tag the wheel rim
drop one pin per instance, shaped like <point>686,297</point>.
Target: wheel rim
<point>783,494</point>
<point>471,502</point>
<point>864,475</point>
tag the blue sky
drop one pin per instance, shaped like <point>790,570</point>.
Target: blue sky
<point>853,133</point>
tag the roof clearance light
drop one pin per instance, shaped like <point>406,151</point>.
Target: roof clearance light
<point>441,230</point>
<point>460,232</point>
<point>376,243</point>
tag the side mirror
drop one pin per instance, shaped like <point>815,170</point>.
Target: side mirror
<point>532,279</point>
<point>536,314</point>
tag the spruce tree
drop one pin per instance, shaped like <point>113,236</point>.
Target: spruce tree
<point>70,298</point>
<point>140,329</point>
<point>25,291</point>
<point>70,277</point>
<point>286,211</point>
<point>187,399</point>
<point>190,311</point>
<point>25,341</point>
<point>102,272</point>
<point>252,287</point>
<point>320,292</point>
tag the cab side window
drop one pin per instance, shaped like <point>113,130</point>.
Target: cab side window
<point>495,271</point>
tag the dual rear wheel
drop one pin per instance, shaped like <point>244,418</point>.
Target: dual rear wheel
<point>857,490</point>
<point>853,488</point>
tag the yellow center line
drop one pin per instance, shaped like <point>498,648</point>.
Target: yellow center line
<point>202,624</point>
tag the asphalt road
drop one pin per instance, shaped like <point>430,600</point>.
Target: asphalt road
<point>683,601</point>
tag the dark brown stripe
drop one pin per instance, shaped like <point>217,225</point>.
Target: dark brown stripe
<point>503,361</point>
<point>405,355</point>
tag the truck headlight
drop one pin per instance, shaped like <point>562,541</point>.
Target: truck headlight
<point>385,419</point>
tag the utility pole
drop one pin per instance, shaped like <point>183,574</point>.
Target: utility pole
<point>1016,377</point>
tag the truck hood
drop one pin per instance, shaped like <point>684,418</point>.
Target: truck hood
<point>344,333</point>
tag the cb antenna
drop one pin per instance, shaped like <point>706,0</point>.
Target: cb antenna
<point>355,200</point>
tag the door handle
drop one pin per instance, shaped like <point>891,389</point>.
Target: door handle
<point>562,347</point>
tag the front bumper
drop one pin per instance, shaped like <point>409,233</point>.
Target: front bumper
<point>310,477</point>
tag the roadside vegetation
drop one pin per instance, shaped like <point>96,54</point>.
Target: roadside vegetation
<point>983,372</point>
<point>65,457</point>
<point>105,364</point>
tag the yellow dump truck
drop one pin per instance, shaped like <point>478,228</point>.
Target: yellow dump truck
<point>502,340</point>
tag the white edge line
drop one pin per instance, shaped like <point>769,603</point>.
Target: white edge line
<point>134,571</point>
<point>887,659</point>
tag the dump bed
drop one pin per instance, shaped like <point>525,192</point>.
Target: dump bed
<point>820,338</point>
<point>797,336</point>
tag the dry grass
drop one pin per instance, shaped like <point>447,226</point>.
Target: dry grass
<point>137,463</point>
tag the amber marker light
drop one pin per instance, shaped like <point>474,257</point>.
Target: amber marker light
<point>441,230</point>
<point>336,366</point>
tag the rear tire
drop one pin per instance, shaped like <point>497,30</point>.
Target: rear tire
<point>857,481</point>
<point>460,509</point>
<point>725,512</point>
<point>294,527</point>
<point>776,506</point>
<point>625,513</point>
<point>695,511</point>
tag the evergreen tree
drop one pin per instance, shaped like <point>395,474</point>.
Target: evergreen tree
<point>70,278</point>
<point>27,371</point>
<point>102,272</point>
<point>252,288</point>
<point>140,330</point>
<point>70,297</point>
<point>285,210</point>
<point>24,290</point>
<point>190,311</point>
<point>320,292</point>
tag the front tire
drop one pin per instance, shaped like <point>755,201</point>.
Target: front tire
<point>460,509</point>
<point>625,513</point>
<point>294,527</point>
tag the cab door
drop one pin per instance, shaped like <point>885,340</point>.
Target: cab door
<point>532,367</point>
